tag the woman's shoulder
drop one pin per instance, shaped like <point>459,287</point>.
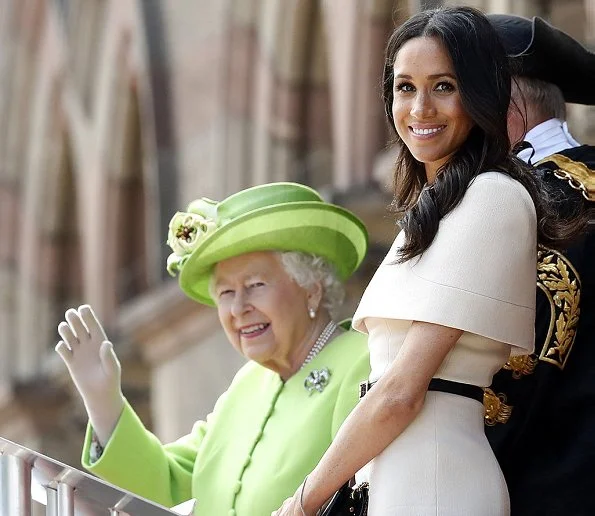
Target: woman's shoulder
<point>353,340</point>
<point>496,188</point>
<point>349,356</point>
<point>250,372</point>
<point>497,180</point>
<point>350,344</point>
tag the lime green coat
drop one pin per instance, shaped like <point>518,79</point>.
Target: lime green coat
<point>253,451</point>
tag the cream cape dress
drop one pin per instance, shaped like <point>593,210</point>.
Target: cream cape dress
<point>478,275</point>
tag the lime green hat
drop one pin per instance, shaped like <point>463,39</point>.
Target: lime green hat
<point>270,217</point>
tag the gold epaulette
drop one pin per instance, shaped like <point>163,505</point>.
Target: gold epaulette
<point>495,408</point>
<point>579,176</point>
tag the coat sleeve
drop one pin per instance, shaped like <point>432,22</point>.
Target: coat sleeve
<point>135,460</point>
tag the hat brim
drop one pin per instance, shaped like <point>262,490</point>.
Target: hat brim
<point>555,57</point>
<point>541,51</point>
<point>325,230</point>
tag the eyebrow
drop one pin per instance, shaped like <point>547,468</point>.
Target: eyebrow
<point>433,76</point>
<point>249,277</point>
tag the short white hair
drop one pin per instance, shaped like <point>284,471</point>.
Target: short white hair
<point>544,97</point>
<point>308,269</point>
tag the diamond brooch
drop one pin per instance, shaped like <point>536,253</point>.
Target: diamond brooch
<point>317,380</point>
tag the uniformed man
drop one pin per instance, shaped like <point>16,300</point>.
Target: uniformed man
<point>540,409</point>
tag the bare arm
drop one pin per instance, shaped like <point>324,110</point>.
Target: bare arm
<point>384,413</point>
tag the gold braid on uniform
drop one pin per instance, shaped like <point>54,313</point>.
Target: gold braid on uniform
<point>577,174</point>
<point>561,284</point>
<point>559,281</point>
<point>496,409</point>
<point>521,365</point>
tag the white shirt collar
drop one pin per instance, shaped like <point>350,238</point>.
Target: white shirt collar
<point>547,138</point>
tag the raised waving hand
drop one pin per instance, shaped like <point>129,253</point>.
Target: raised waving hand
<point>94,368</point>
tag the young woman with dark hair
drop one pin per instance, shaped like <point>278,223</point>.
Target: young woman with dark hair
<point>455,296</point>
<point>484,86</point>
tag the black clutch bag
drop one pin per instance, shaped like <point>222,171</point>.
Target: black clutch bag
<point>348,501</point>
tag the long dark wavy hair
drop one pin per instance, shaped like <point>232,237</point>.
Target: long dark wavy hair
<point>484,82</point>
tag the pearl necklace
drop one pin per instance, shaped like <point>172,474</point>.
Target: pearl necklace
<point>321,341</point>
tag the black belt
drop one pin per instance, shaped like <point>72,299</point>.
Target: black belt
<point>438,384</point>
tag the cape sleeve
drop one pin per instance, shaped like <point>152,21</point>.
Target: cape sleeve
<point>478,275</point>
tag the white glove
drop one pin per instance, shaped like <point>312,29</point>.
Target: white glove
<point>185,508</point>
<point>94,368</point>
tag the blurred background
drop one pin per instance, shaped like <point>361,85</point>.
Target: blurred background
<point>114,114</point>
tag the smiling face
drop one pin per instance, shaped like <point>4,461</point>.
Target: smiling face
<point>427,107</point>
<point>263,311</point>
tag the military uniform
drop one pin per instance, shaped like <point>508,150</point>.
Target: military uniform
<point>540,409</point>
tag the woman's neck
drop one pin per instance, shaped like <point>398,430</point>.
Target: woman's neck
<point>301,352</point>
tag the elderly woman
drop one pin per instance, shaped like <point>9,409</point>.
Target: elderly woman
<point>271,259</point>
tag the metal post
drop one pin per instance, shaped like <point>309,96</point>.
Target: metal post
<point>15,486</point>
<point>65,500</point>
<point>118,508</point>
<point>51,508</point>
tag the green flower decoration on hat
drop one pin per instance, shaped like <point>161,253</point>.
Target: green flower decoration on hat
<point>187,230</point>
<point>270,217</point>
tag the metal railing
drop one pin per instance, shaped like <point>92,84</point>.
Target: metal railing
<point>26,475</point>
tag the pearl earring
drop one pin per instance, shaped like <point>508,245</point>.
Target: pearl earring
<point>311,313</point>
